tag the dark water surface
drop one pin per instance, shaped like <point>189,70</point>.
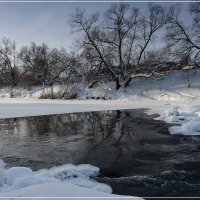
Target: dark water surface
<point>136,154</point>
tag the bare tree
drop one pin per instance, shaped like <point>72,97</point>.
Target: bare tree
<point>43,63</point>
<point>9,70</point>
<point>183,39</point>
<point>113,43</point>
<point>154,20</point>
<point>119,33</point>
<point>195,10</point>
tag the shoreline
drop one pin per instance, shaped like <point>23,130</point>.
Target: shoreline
<point>13,108</point>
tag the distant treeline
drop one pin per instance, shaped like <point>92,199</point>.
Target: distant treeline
<point>116,46</point>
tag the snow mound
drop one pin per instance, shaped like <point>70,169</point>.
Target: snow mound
<point>16,172</point>
<point>187,118</point>
<point>175,114</point>
<point>16,178</point>
<point>189,128</point>
<point>63,181</point>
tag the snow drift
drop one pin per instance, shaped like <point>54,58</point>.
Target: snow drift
<point>186,117</point>
<point>62,181</point>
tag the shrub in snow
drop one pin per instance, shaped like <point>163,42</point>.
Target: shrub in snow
<point>57,92</point>
<point>102,91</point>
<point>13,92</point>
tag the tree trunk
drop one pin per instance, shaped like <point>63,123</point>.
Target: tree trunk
<point>82,81</point>
<point>127,83</point>
<point>52,92</point>
<point>117,84</point>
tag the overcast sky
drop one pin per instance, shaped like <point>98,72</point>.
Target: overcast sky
<point>45,22</point>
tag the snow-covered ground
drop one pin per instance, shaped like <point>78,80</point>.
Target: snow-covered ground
<point>62,181</point>
<point>170,97</point>
<point>10,108</point>
<point>186,114</point>
<point>167,95</point>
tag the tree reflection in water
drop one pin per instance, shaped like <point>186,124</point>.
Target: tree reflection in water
<point>115,141</point>
<point>120,143</point>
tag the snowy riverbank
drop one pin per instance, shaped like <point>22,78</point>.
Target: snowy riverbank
<point>168,95</point>
<point>185,113</point>
<point>62,181</point>
<point>171,100</point>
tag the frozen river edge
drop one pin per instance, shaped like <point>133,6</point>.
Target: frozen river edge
<point>12,108</point>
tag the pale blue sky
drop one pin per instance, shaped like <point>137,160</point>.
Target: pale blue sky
<point>44,22</point>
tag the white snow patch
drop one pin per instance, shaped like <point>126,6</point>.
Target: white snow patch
<point>62,181</point>
<point>188,128</point>
<point>186,116</point>
<point>188,67</point>
<point>16,172</point>
<point>2,164</point>
<point>62,190</point>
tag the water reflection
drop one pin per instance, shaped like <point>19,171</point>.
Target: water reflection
<point>120,143</point>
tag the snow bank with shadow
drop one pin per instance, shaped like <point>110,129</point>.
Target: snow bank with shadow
<point>187,119</point>
<point>62,181</point>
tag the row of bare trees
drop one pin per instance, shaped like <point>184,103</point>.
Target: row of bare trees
<point>122,40</point>
<point>118,45</point>
<point>34,64</point>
